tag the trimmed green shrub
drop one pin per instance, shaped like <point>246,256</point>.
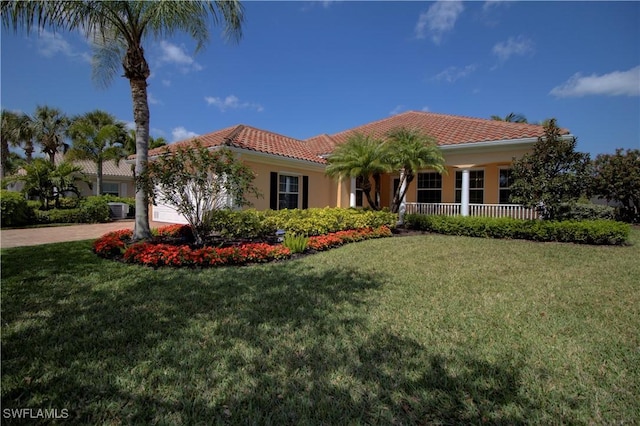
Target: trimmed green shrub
<point>581,232</point>
<point>15,209</point>
<point>315,221</point>
<point>585,211</point>
<point>58,216</point>
<point>320,221</point>
<point>238,224</point>
<point>94,209</point>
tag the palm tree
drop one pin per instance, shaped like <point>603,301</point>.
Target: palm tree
<point>130,142</point>
<point>16,131</point>
<point>99,137</point>
<point>512,117</point>
<point>49,126</point>
<point>410,151</point>
<point>360,157</point>
<point>118,29</point>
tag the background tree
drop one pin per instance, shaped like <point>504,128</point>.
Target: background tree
<point>553,174</point>
<point>49,127</point>
<point>118,30</point>
<point>130,142</point>
<point>410,151</point>
<point>18,132</point>
<point>512,117</point>
<point>361,157</point>
<point>48,182</point>
<point>617,178</point>
<point>195,181</point>
<point>97,136</point>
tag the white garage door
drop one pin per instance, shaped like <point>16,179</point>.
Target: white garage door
<point>162,213</point>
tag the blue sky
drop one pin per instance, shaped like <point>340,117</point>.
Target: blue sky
<point>305,68</point>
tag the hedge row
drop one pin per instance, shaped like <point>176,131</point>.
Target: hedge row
<point>16,211</point>
<point>309,222</point>
<point>582,232</point>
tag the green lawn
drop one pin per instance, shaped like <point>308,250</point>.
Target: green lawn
<point>414,330</point>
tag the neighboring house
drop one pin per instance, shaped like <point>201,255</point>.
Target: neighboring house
<point>290,172</point>
<point>116,179</point>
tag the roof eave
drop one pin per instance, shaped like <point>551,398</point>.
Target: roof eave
<point>497,145</point>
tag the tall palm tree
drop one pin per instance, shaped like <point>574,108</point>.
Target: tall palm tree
<point>97,136</point>
<point>512,117</point>
<point>360,157</point>
<point>118,30</point>
<point>49,126</point>
<point>410,151</point>
<point>16,131</point>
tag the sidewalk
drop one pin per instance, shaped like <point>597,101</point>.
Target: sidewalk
<point>57,234</point>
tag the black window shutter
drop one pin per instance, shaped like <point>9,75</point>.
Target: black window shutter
<point>305,192</point>
<point>273,196</point>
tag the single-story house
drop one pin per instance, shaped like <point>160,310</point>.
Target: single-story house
<point>290,173</point>
<point>117,179</point>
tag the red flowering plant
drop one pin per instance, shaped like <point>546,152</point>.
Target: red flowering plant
<point>157,254</point>
<point>113,243</point>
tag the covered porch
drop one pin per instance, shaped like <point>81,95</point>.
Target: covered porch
<point>515,211</point>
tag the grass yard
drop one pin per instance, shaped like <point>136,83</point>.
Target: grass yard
<point>415,330</point>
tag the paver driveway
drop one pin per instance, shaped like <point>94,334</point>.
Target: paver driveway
<point>58,234</point>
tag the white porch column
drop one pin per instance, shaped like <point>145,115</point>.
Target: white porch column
<point>403,202</point>
<point>352,193</point>
<point>464,199</point>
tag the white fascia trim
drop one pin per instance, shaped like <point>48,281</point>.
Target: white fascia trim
<point>498,145</point>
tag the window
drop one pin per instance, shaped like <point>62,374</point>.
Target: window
<point>505,182</point>
<point>288,192</point>
<point>110,188</point>
<point>359,193</point>
<point>429,187</point>
<point>476,186</point>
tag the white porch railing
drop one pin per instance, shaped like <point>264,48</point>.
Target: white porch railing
<point>515,211</point>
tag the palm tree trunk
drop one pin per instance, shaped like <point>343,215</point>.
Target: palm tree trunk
<point>4,157</point>
<point>141,230</point>
<point>99,177</point>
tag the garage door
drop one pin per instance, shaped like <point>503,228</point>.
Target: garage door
<point>162,213</point>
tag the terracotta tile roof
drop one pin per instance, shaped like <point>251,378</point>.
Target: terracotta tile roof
<point>446,129</point>
<point>109,168</point>
<point>321,144</point>
<point>253,139</point>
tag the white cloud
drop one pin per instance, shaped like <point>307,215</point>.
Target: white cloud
<point>452,74</point>
<point>513,46</point>
<point>51,44</point>
<point>153,100</point>
<point>176,55</point>
<point>180,133</point>
<point>425,109</point>
<point>232,102</point>
<point>166,83</point>
<point>438,20</point>
<point>397,110</point>
<point>616,83</point>
<point>490,4</point>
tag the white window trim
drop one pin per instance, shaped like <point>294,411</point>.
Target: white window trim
<point>299,193</point>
